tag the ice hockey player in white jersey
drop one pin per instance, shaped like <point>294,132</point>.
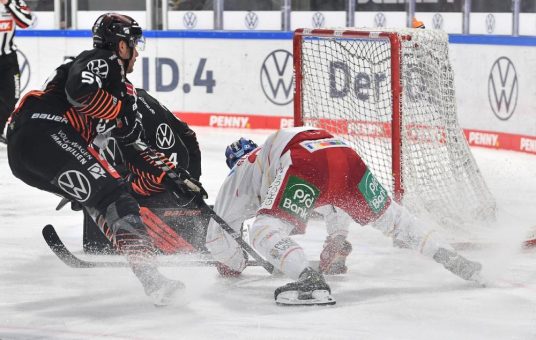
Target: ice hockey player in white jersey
<point>280,183</point>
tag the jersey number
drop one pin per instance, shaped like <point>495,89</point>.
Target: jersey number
<point>90,78</point>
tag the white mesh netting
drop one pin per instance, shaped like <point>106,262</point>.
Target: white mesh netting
<point>346,88</point>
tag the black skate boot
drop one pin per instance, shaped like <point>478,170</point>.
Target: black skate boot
<point>310,289</point>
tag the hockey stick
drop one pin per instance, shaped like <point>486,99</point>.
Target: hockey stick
<point>66,256</point>
<point>176,183</point>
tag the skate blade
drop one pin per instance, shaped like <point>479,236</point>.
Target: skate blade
<point>314,298</point>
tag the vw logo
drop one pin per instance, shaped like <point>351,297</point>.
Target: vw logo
<point>437,21</point>
<point>165,138</point>
<point>380,20</point>
<point>98,67</point>
<point>490,23</point>
<point>189,20</point>
<point>75,184</point>
<point>503,88</point>
<point>251,20</point>
<point>25,70</point>
<point>318,20</point>
<point>277,77</point>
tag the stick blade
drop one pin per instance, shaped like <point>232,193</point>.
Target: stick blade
<point>57,246</point>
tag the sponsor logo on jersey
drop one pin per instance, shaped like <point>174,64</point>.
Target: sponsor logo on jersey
<point>315,145</point>
<point>273,190</point>
<point>78,151</point>
<point>373,192</point>
<point>97,171</point>
<point>299,197</point>
<point>50,117</point>
<point>277,77</point>
<point>98,67</point>
<point>6,25</point>
<point>75,184</point>
<point>165,138</point>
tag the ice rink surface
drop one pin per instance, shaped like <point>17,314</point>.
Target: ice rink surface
<point>388,293</point>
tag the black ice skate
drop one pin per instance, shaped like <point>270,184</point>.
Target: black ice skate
<point>459,265</point>
<point>310,289</point>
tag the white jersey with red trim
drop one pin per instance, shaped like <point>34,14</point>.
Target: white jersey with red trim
<point>246,187</point>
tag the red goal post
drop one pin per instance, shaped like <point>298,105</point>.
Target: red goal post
<point>394,40</point>
<point>390,93</point>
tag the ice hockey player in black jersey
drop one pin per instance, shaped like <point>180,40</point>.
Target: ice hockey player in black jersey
<point>51,131</point>
<point>178,142</point>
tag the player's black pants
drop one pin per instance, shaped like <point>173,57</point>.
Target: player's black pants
<point>52,156</point>
<point>9,86</point>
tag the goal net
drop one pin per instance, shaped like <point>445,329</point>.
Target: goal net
<point>390,93</point>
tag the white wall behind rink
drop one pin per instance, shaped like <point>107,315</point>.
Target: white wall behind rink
<point>495,87</point>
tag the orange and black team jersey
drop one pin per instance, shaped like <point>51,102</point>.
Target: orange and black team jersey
<point>89,92</point>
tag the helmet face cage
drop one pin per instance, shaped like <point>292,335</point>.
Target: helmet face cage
<point>238,149</point>
<point>111,28</point>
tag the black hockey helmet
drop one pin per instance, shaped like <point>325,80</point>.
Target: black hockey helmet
<point>111,28</point>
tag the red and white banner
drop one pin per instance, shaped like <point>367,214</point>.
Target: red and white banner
<point>487,139</point>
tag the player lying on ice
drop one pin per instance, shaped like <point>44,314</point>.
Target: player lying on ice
<point>280,183</point>
<point>49,145</point>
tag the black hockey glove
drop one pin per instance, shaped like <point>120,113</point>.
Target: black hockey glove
<point>129,125</point>
<point>189,186</point>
